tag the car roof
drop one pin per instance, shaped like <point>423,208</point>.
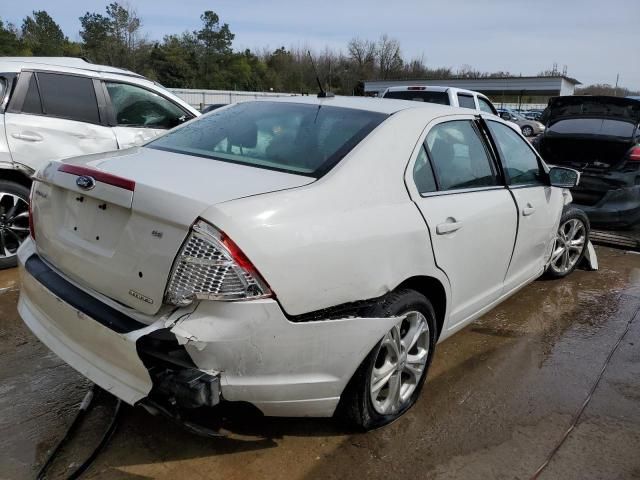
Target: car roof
<point>17,63</point>
<point>372,104</point>
<point>433,88</point>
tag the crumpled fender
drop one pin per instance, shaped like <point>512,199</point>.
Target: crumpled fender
<point>254,345</point>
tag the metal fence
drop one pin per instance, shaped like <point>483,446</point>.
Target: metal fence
<point>202,98</point>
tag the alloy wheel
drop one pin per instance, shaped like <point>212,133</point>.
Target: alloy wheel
<point>568,246</point>
<point>400,364</point>
<point>14,223</point>
<point>527,131</point>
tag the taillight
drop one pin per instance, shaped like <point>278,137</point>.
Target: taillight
<point>416,88</point>
<point>32,228</point>
<point>210,266</point>
<point>634,154</point>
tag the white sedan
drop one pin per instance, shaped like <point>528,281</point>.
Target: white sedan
<point>304,255</point>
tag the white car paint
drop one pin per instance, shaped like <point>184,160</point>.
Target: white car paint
<point>355,234</point>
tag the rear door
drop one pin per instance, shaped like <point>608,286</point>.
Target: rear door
<point>539,205</point>
<point>53,116</point>
<point>470,214</point>
<point>138,114</point>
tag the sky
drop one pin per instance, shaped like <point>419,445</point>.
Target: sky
<point>595,39</point>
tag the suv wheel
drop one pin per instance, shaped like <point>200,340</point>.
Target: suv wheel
<point>389,380</point>
<point>14,221</point>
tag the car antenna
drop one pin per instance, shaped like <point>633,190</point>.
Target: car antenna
<point>322,93</point>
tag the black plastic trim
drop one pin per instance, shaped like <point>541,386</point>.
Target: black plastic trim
<point>80,300</point>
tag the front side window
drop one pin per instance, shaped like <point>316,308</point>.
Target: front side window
<point>67,96</point>
<point>459,156</point>
<point>423,173</point>
<point>307,139</point>
<point>520,162</point>
<point>466,101</point>
<point>138,107</point>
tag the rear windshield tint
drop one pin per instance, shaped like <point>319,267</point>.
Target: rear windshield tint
<point>441,98</point>
<point>290,137</point>
<point>592,126</point>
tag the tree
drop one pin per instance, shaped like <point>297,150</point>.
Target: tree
<point>42,35</point>
<point>113,38</point>
<point>362,53</point>
<point>10,43</point>
<point>214,37</point>
<point>389,58</point>
<point>214,41</point>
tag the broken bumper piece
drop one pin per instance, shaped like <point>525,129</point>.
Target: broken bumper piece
<point>123,356</point>
<point>244,351</point>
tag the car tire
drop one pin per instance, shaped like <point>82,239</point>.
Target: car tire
<point>571,244</point>
<point>14,229</point>
<point>367,410</point>
<point>527,131</point>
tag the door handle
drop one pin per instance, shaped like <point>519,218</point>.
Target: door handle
<point>29,137</point>
<point>528,210</point>
<point>448,227</point>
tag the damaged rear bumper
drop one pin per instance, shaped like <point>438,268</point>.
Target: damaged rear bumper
<point>237,351</point>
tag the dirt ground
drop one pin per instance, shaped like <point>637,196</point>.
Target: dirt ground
<point>498,399</point>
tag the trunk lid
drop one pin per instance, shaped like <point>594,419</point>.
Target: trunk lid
<point>587,106</point>
<point>120,236</point>
<point>592,133</point>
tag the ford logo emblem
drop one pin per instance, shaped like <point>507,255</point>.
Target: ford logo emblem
<point>86,182</point>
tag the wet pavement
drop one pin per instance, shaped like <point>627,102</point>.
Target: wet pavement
<point>499,397</point>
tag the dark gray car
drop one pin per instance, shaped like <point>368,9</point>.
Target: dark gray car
<point>600,136</point>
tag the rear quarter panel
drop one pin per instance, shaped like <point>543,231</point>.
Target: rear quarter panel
<point>353,235</point>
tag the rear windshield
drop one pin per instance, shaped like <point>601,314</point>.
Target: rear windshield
<point>592,126</point>
<point>289,137</point>
<point>441,98</point>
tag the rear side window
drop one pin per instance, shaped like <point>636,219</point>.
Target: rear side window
<point>68,96</point>
<point>486,106</point>
<point>441,98</point>
<point>423,173</point>
<point>297,138</point>
<point>459,156</point>
<point>32,103</point>
<point>520,162</point>
<point>138,107</point>
<point>466,101</point>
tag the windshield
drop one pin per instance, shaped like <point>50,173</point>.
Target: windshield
<point>441,98</point>
<point>291,137</point>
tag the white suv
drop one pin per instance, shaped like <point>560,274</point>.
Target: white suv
<point>54,108</point>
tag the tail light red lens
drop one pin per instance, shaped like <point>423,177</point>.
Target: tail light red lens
<point>634,154</point>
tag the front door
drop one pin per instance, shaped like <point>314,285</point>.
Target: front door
<point>471,217</point>
<point>539,205</point>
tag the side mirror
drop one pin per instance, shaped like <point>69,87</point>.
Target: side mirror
<point>563,177</point>
<point>505,116</point>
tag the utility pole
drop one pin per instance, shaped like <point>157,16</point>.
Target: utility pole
<point>615,91</point>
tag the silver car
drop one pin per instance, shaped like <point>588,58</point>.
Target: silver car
<point>528,127</point>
